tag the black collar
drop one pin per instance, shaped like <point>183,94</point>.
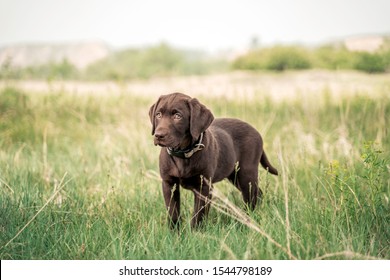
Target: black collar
<point>187,153</point>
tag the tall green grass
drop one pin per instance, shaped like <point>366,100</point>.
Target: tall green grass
<point>79,180</point>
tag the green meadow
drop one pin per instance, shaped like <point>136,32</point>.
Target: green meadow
<point>79,174</point>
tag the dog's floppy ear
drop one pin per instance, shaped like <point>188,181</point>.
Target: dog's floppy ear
<point>152,113</point>
<point>200,119</point>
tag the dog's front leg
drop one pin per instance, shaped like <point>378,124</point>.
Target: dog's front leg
<point>171,192</point>
<point>202,202</point>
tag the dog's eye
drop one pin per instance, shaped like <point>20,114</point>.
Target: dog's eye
<point>158,115</point>
<point>177,116</point>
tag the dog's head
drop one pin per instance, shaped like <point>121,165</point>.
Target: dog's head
<point>178,120</point>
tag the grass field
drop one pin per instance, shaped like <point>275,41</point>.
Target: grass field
<point>79,172</point>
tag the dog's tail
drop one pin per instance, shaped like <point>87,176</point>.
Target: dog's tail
<point>267,165</point>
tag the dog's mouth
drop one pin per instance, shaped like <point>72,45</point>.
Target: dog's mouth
<point>172,147</point>
<point>165,144</point>
<point>159,143</point>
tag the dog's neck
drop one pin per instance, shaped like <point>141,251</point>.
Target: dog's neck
<point>188,152</point>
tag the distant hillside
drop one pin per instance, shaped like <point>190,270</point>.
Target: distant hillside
<point>78,54</point>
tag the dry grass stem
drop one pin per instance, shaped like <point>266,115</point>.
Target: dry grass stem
<point>348,254</point>
<point>8,186</point>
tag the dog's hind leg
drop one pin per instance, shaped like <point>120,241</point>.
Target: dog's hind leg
<point>247,183</point>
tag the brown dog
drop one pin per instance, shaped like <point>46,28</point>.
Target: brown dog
<point>198,151</point>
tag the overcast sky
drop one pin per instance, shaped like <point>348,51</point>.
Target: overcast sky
<point>198,24</point>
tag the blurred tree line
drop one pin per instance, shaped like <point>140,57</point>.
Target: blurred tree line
<point>164,60</point>
<point>160,60</point>
<point>50,71</point>
<point>333,57</point>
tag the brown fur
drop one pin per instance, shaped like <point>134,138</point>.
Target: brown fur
<point>178,121</point>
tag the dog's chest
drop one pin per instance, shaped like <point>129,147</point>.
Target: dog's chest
<point>183,169</point>
<point>186,169</point>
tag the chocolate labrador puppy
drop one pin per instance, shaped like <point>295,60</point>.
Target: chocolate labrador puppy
<point>198,150</point>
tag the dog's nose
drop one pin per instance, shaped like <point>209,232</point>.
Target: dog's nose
<point>159,136</point>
